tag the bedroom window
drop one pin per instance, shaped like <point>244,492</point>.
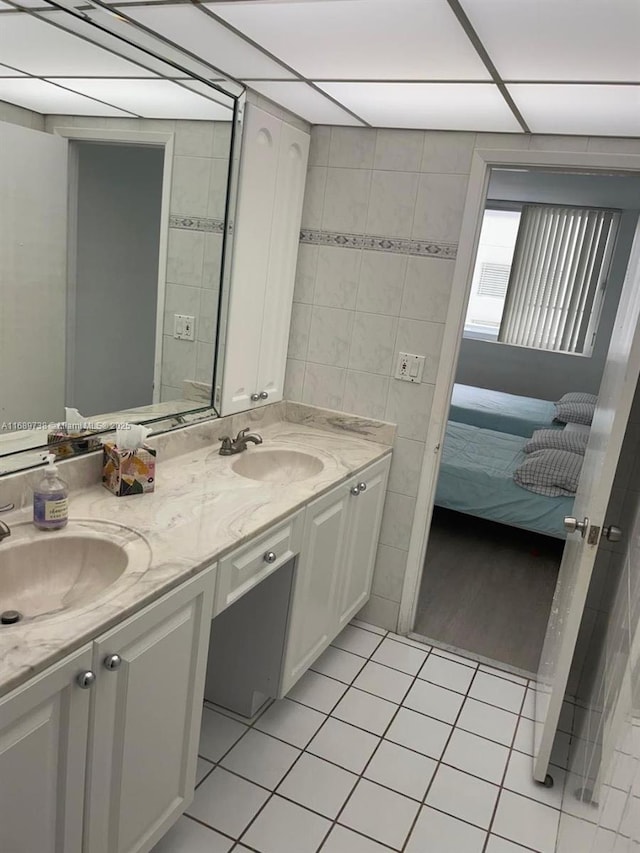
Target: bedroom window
<point>540,276</point>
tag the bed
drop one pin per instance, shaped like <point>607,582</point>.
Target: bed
<point>502,412</point>
<point>476,477</point>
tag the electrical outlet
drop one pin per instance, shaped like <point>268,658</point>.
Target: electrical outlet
<point>184,327</point>
<point>410,367</point>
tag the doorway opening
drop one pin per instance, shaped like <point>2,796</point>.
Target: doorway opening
<point>118,213</point>
<point>552,253</point>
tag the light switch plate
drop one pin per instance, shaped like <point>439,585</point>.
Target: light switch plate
<point>184,327</point>
<point>409,367</point>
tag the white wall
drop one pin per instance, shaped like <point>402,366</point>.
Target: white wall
<point>33,213</point>
<point>116,281</point>
<point>539,373</point>
<point>359,299</point>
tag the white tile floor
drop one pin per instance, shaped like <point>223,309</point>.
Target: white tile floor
<point>384,745</point>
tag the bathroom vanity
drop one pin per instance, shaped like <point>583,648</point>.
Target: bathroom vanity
<point>101,704</point>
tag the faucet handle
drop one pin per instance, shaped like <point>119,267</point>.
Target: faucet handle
<point>226,444</point>
<point>242,433</point>
<point>7,507</point>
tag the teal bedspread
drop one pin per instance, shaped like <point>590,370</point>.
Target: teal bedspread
<point>496,410</point>
<point>476,477</point>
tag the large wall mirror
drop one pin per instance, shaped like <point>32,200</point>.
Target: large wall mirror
<point>118,158</point>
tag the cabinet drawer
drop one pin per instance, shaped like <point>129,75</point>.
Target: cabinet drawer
<point>245,567</point>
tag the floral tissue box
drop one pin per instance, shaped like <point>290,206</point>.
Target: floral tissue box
<point>128,472</point>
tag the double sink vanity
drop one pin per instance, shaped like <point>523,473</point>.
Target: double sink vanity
<point>227,582</point>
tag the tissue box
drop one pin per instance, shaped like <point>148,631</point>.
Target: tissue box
<point>65,444</point>
<point>128,472</point>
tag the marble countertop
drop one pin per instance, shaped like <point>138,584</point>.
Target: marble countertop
<point>200,510</point>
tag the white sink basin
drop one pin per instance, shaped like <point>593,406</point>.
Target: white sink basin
<point>277,466</point>
<point>57,571</point>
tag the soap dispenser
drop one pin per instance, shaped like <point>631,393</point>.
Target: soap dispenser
<point>51,499</point>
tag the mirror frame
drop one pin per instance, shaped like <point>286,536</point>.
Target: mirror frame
<point>15,461</point>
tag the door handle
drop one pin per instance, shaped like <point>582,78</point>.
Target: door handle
<point>572,525</point>
<point>612,533</point>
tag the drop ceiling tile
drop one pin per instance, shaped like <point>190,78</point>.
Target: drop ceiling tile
<point>431,106</point>
<point>593,110</point>
<point>306,102</point>
<point>36,47</point>
<point>43,97</point>
<point>564,41</point>
<point>360,39</point>
<point>5,71</point>
<point>149,98</point>
<point>195,31</point>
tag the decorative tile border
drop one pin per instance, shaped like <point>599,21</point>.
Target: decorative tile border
<point>197,223</point>
<point>424,248</point>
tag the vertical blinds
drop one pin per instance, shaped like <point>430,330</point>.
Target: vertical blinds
<point>560,259</point>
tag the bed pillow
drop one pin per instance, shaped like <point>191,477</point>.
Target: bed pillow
<point>574,413</point>
<point>557,439</point>
<point>550,472</point>
<point>578,397</point>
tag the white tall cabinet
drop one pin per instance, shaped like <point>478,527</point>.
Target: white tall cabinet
<point>265,249</point>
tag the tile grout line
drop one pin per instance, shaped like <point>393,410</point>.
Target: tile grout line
<point>399,704</point>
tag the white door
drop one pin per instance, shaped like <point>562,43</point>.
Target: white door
<point>146,722</point>
<point>365,517</point>
<point>43,749</point>
<point>33,279</point>
<point>617,389</point>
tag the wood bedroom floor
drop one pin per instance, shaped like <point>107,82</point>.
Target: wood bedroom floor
<point>487,588</point>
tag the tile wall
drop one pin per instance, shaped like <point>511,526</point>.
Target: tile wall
<point>381,223</point>
<point>198,193</point>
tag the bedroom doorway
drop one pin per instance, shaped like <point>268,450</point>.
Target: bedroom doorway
<point>533,325</point>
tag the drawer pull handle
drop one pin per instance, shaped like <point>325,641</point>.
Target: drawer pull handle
<point>270,557</point>
<point>85,679</point>
<point>362,487</point>
<point>255,397</point>
<point>355,491</point>
<point>112,662</point>
<point>264,395</point>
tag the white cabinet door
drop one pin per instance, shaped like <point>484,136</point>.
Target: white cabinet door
<point>283,256</point>
<point>146,719</point>
<point>363,529</point>
<point>43,747</point>
<point>273,171</point>
<point>251,251</point>
<point>316,587</point>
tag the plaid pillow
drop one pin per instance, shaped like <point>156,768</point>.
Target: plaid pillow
<point>557,439</point>
<point>550,472</point>
<point>574,413</point>
<point>578,397</point>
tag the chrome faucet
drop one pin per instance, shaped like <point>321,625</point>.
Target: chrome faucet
<point>239,443</point>
<point>5,530</point>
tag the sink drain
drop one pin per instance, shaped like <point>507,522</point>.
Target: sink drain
<point>10,617</point>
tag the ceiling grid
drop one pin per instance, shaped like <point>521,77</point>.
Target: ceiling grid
<point>541,66</point>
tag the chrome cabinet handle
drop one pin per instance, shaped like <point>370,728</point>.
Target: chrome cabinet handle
<point>112,662</point>
<point>270,557</point>
<point>355,491</point>
<point>362,487</point>
<point>254,397</point>
<point>85,679</point>
<point>263,395</point>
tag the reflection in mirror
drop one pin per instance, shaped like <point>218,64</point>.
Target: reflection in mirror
<point>113,192</point>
